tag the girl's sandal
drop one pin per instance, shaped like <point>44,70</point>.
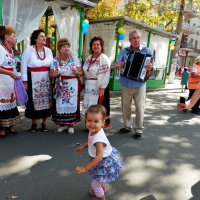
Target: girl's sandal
<point>104,188</point>
<point>91,191</point>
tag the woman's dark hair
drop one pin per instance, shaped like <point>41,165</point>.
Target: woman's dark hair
<point>97,39</point>
<point>34,36</point>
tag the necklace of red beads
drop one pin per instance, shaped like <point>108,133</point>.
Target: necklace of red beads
<point>9,50</point>
<point>44,56</point>
<point>92,61</point>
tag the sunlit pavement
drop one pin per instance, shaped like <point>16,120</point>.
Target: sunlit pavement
<point>163,165</point>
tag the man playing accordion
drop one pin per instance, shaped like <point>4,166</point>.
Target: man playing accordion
<point>133,88</point>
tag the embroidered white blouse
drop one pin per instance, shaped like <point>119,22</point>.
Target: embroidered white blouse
<point>31,59</point>
<point>7,94</point>
<point>99,137</point>
<point>100,69</point>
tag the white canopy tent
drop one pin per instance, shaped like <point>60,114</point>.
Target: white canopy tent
<point>24,16</point>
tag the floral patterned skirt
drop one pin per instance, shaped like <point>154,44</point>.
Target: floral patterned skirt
<point>108,169</point>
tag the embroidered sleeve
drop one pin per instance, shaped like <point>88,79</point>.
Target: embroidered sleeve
<point>103,75</point>
<point>54,65</point>
<point>24,63</point>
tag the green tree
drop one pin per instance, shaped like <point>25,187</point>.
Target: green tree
<point>105,9</point>
<point>151,12</point>
<point>51,30</point>
<point>154,12</point>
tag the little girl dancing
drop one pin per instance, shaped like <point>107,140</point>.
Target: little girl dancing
<point>105,163</point>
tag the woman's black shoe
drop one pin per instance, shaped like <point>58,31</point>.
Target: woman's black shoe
<point>44,128</point>
<point>137,136</point>
<point>124,131</point>
<point>33,128</point>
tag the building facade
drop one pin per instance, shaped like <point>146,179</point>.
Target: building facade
<point>190,42</point>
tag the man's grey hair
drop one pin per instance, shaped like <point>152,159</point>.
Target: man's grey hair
<point>135,31</point>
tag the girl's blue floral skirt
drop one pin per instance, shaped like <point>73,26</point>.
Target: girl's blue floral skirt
<point>108,169</point>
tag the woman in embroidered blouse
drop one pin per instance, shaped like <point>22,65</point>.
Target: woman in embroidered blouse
<point>97,75</point>
<point>9,115</point>
<point>66,70</point>
<point>35,66</point>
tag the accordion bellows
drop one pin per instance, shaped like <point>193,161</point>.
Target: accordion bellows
<point>134,68</point>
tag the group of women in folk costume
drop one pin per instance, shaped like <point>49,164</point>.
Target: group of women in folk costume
<point>38,68</point>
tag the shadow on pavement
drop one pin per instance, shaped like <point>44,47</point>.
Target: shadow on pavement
<point>195,191</point>
<point>149,197</point>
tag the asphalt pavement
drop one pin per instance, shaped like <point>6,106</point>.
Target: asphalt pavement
<point>163,165</point>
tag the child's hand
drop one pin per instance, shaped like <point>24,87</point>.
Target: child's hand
<point>80,169</point>
<point>79,149</point>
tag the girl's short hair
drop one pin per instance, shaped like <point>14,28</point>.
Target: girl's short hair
<point>35,35</point>
<point>97,38</point>
<point>6,30</point>
<point>62,42</point>
<point>97,109</point>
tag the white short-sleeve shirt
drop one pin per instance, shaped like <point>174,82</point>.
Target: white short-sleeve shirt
<point>99,137</point>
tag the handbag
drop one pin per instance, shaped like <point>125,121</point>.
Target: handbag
<point>20,92</point>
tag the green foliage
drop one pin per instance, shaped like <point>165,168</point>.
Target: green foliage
<point>50,29</point>
<point>105,9</point>
<point>50,22</point>
<point>151,12</point>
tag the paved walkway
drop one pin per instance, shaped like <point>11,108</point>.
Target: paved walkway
<point>164,165</point>
<point>175,85</point>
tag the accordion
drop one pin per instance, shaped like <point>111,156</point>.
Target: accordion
<point>134,68</point>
